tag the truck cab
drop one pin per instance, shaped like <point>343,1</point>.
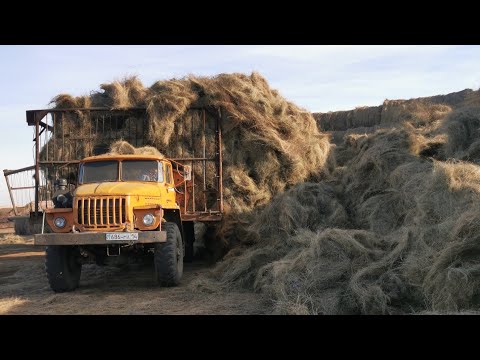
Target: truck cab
<point>122,193</point>
<point>123,206</point>
<point>109,207</point>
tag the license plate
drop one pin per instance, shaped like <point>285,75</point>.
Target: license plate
<point>121,236</point>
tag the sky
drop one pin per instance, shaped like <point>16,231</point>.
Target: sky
<point>317,78</point>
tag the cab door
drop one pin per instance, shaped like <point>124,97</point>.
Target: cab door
<point>169,184</point>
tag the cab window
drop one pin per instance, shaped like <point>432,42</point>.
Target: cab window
<point>140,170</point>
<point>98,171</point>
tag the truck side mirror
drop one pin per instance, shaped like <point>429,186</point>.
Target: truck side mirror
<point>187,172</point>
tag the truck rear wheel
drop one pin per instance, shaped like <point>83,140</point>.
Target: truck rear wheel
<point>62,267</point>
<point>168,256</point>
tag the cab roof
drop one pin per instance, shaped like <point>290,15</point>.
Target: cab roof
<point>123,157</point>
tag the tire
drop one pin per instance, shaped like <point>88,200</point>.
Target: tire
<point>189,234</point>
<point>62,267</point>
<point>168,257</point>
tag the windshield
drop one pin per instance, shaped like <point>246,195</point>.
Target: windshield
<point>132,170</point>
<point>141,170</point>
<point>99,171</point>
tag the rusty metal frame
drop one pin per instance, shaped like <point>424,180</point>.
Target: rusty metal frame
<point>6,174</point>
<point>37,166</point>
<point>35,117</point>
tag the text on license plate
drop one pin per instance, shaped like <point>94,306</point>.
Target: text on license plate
<point>121,236</point>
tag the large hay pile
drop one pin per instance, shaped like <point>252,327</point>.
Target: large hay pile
<point>394,229</point>
<point>420,112</point>
<point>463,130</point>
<point>391,227</point>
<point>269,144</point>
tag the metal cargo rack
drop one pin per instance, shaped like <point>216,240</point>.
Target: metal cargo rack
<point>59,149</point>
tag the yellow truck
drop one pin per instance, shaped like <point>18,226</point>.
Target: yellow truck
<point>115,208</point>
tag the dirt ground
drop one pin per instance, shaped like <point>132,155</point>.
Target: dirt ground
<point>107,290</point>
<point>6,226</point>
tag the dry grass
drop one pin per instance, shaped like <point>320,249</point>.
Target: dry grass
<point>392,232</point>
<point>269,144</point>
<point>463,130</point>
<point>124,148</point>
<point>15,239</point>
<point>385,226</point>
<point>420,112</point>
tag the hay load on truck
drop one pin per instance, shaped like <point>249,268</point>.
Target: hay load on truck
<point>114,202</point>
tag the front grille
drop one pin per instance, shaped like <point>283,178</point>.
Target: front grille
<point>101,212</point>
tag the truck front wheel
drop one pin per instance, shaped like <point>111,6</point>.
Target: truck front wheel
<point>168,256</point>
<point>62,267</point>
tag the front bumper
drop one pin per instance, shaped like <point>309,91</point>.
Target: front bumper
<point>96,238</point>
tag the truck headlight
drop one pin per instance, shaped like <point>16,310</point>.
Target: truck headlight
<point>59,222</point>
<point>148,220</point>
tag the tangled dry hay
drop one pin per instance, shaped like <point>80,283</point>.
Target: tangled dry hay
<point>124,148</point>
<point>386,223</point>
<point>463,130</point>
<point>393,229</point>
<point>418,111</point>
<point>397,235</point>
<point>269,144</point>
